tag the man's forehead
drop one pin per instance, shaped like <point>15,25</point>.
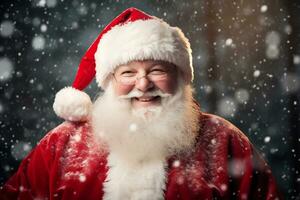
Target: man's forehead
<point>146,64</point>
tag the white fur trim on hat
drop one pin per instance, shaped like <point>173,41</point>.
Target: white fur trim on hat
<point>142,40</point>
<point>72,104</point>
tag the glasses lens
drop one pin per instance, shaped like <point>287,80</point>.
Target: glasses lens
<point>157,77</point>
<point>131,80</point>
<point>126,80</point>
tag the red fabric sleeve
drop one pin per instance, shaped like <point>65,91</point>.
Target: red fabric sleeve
<point>234,169</point>
<point>250,176</point>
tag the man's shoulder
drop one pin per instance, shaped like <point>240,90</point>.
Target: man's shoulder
<point>72,139</point>
<point>218,141</point>
<point>208,119</point>
<point>213,126</point>
<point>64,132</point>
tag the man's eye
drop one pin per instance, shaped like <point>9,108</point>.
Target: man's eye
<point>127,73</point>
<point>158,71</point>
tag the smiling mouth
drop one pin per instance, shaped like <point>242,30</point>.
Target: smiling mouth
<point>147,99</point>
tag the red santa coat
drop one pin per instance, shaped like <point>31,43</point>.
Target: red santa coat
<point>69,164</point>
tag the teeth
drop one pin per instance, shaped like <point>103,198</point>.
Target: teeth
<point>146,99</point>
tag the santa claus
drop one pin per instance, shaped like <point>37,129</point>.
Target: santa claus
<point>145,137</point>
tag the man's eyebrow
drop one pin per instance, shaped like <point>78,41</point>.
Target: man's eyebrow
<point>160,63</point>
<point>123,67</point>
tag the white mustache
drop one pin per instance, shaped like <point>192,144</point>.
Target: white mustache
<point>136,93</point>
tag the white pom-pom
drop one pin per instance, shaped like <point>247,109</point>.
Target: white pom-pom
<point>72,104</point>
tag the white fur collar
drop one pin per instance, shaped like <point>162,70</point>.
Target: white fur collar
<point>139,181</point>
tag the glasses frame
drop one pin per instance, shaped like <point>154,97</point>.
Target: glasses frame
<point>146,75</point>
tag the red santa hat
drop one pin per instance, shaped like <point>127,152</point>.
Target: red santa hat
<point>133,35</point>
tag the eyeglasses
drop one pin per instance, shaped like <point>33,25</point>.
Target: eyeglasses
<point>131,77</point>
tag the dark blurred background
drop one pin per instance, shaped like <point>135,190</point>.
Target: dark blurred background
<point>246,60</point>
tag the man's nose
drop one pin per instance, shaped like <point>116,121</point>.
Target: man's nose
<point>144,84</point>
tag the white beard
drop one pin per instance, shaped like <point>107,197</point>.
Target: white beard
<point>139,141</point>
<point>143,134</point>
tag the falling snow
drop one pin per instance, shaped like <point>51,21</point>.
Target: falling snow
<point>273,42</point>
<point>263,8</point>
<point>296,59</point>
<point>76,138</point>
<point>267,139</point>
<point>213,141</point>
<point>224,187</point>
<point>256,73</point>
<point>82,178</point>
<point>20,150</point>
<point>273,38</point>
<point>290,82</point>
<point>272,52</point>
<point>36,21</point>
<point>242,95</point>
<point>6,28</point>
<point>6,69</point>
<point>133,127</point>
<point>1,108</point>
<point>246,62</point>
<point>51,3</point>
<point>228,42</point>
<point>176,163</point>
<point>38,43</point>
<point>43,27</point>
<point>227,107</point>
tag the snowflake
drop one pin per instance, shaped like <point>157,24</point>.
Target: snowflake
<point>133,127</point>
<point>38,42</point>
<point>6,28</point>
<point>176,163</point>
<point>82,178</point>
<point>6,69</point>
<point>263,8</point>
<point>267,139</point>
<point>228,42</point>
<point>224,187</point>
<point>256,73</point>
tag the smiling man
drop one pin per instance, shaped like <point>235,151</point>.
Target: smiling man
<point>145,137</point>
<point>145,76</point>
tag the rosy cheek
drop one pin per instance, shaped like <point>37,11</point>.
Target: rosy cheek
<point>123,89</point>
<point>167,87</point>
<point>170,88</point>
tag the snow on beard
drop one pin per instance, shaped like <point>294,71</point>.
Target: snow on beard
<point>145,133</point>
